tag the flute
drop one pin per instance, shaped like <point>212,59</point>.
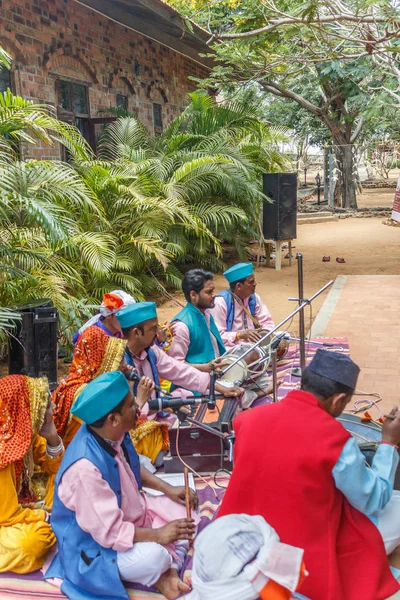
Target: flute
<point>187,497</point>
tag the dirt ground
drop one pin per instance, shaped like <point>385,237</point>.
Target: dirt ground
<point>368,246</point>
<point>378,198</point>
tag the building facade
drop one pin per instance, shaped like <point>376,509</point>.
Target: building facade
<point>84,57</point>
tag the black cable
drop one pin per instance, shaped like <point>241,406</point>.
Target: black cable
<point>221,470</point>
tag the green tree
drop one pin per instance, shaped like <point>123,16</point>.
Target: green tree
<point>322,56</point>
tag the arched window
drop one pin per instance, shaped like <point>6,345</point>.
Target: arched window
<point>5,79</point>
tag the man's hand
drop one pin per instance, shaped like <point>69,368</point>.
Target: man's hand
<point>267,391</point>
<point>249,335</point>
<point>218,363</point>
<point>144,391</point>
<point>391,427</point>
<point>177,494</point>
<point>181,529</point>
<point>229,392</point>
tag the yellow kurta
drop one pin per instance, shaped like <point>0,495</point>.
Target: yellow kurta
<point>25,537</point>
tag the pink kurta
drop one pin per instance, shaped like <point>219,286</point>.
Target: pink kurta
<point>179,373</point>
<point>181,340</point>
<point>241,321</point>
<point>83,490</point>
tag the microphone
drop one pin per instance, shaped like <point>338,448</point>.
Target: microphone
<point>133,376</point>
<point>160,404</point>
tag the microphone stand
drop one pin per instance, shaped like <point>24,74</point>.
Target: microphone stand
<point>213,378</point>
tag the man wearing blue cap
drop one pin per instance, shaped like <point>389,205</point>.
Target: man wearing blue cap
<point>107,530</point>
<point>139,325</point>
<point>239,312</point>
<point>311,484</point>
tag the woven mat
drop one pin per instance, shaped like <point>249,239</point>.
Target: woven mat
<point>32,587</point>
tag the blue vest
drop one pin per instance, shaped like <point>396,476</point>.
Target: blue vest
<point>152,358</point>
<point>89,571</point>
<point>230,305</point>
<point>201,349</point>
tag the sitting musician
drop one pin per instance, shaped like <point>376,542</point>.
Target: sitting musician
<point>107,529</point>
<point>239,312</point>
<point>139,325</point>
<point>196,338</point>
<point>105,319</point>
<point>312,485</point>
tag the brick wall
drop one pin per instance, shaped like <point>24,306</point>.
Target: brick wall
<point>61,39</point>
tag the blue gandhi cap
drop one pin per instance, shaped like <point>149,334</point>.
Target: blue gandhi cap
<point>100,396</point>
<point>239,271</point>
<point>335,366</point>
<point>136,313</point>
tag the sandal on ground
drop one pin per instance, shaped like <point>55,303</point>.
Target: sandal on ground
<point>340,260</point>
<point>288,255</point>
<point>326,259</point>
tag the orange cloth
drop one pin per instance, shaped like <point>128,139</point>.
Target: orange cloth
<point>95,353</point>
<point>25,537</point>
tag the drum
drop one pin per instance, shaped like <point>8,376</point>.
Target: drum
<point>367,435</point>
<point>237,374</point>
<point>247,368</point>
<point>267,343</point>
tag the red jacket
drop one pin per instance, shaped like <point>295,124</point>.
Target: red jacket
<point>284,456</point>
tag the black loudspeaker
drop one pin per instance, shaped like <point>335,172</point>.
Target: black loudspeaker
<point>280,216</point>
<point>33,344</point>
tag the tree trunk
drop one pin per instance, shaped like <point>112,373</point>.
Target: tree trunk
<point>345,157</point>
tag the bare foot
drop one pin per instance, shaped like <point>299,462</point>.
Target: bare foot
<point>171,585</point>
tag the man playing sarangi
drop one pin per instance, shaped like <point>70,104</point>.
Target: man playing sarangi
<point>107,529</point>
<point>304,473</point>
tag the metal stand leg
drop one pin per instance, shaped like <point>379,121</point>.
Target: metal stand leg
<point>301,313</point>
<point>274,376</point>
<point>278,255</point>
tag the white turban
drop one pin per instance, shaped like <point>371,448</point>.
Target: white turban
<point>105,311</point>
<point>237,555</point>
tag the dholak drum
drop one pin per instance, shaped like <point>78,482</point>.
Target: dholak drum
<point>367,436</point>
<point>237,374</point>
<point>281,352</point>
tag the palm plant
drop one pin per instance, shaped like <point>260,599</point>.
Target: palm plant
<point>210,160</point>
<point>129,217</point>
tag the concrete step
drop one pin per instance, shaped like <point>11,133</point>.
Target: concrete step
<point>322,213</point>
<point>312,219</point>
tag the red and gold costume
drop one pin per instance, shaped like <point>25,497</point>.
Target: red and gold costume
<point>25,537</point>
<point>97,353</point>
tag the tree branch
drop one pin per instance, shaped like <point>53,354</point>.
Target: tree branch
<point>277,90</point>
<point>357,130</point>
<point>297,21</point>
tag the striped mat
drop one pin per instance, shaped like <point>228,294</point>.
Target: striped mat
<point>32,587</point>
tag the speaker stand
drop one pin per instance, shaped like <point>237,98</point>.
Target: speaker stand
<point>278,252</point>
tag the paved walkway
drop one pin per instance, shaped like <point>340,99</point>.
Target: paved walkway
<point>365,309</point>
